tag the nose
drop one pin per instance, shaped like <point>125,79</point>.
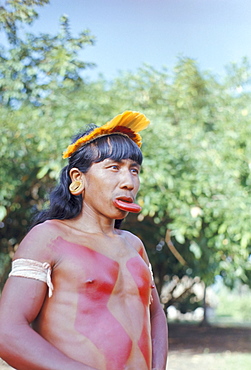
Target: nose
<point>127,181</point>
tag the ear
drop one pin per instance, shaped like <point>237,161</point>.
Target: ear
<point>77,177</point>
<point>75,174</point>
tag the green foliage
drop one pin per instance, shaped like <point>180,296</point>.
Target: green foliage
<point>15,13</point>
<point>196,176</point>
<point>36,75</point>
<point>35,67</point>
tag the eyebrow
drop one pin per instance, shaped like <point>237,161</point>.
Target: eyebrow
<point>134,163</point>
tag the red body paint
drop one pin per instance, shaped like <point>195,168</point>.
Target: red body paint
<point>126,206</point>
<point>95,284</point>
<point>141,275</point>
<point>94,320</point>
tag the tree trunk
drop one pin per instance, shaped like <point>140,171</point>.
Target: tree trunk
<point>205,321</point>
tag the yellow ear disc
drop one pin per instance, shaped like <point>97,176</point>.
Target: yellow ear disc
<point>76,187</point>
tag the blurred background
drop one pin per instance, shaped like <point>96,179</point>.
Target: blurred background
<point>186,65</point>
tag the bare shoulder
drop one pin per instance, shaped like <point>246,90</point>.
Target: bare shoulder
<point>36,244</point>
<point>130,237</point>
<point>134,241</point>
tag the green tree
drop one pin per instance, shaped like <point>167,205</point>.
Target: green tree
<point>196,173</point>
<point>36,73</point>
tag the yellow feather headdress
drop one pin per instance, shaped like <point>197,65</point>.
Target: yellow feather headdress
<point>128,123</point>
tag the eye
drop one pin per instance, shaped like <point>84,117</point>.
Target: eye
<point>114,167</point>
<point>135,170</point>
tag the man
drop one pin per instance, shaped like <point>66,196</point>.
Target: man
<point>80,294</point>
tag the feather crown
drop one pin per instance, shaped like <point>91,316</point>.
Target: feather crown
<point>128,123</point>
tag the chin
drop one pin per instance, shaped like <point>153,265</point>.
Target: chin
<point>120,215</point>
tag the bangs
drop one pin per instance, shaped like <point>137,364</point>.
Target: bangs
<point>116,147</point>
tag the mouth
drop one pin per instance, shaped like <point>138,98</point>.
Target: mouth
<point>126,204</point>
<point>125,199</point>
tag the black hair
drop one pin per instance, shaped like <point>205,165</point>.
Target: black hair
<point>64,205</point>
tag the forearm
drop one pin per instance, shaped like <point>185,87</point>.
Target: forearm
<point>27,350</point>
<point>159,333</point>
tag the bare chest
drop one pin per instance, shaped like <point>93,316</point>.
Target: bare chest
<point>96,275</point>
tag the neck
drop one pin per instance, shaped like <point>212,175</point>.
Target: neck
<point>90,222</point>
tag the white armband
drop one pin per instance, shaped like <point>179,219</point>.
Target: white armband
<point>152,286</point>
<point>33,270</point>
<point>151,270</point>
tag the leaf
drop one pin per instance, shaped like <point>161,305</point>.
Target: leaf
<point>3,213</point>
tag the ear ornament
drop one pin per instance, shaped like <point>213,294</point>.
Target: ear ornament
<point>76,187</point>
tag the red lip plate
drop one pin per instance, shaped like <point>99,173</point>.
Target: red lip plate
<point>128,207</point>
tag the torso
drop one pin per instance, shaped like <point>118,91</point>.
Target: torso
<point>99,311</point>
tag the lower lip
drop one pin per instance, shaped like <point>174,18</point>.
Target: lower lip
<point>128,207</point>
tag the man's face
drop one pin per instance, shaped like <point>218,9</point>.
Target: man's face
<point>109,180</point>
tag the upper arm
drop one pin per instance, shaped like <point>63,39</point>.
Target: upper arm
<point>155,306</point>
<point>21,300</point>
<point>22,297</point>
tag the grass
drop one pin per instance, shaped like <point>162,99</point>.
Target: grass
<point>209,361</point>
<point>234,306</point>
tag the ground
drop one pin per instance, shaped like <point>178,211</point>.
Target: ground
<point>209,348</point>
<point>205,348</point>
<point>216,339</point>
